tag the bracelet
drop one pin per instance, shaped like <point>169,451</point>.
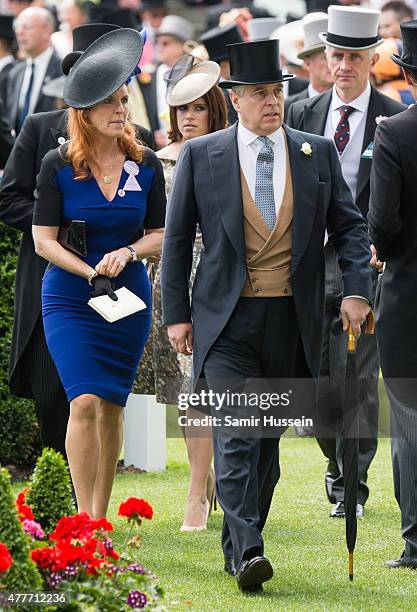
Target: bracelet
<point>132,252</point>
<point>93,274</point>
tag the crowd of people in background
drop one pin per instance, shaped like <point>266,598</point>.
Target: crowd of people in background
<point>42,41</point>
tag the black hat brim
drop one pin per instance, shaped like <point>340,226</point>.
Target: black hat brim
<point>69,61</point>
<point>400,62</point>
<point>229,84</point>
<point>103,68</point>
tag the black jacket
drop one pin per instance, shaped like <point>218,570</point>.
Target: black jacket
<point>6,138</point>
<point>392,223</point>
<point>311,115</point>
<point>207,190</point>
<point>14,86</point>
<point>40,133</point>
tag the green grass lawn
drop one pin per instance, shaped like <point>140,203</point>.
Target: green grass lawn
<point>305,547</point>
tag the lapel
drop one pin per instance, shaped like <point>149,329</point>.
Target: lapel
<point>224,167</point>
<point>305,184</point>
<point>376,107</point>
<point>315,115</point>
<point>17,87</point>
<point>60,131</point>
<point>51,73</point>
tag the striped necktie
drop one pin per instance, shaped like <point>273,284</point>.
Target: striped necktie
<point>264,184</point>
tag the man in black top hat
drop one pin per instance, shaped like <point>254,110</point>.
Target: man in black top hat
<point>32,371</point>
<point>262,195</point>
<point>215,42</point>
<point>348,115</point>
<point>392,221</point>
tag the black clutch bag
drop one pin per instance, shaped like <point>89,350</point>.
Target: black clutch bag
<point>72,236</point>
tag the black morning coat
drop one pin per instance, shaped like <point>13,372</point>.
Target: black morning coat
<point>392,220</point>
<point>40,133</point>
<point>311,115</point>
<point>207,190</point>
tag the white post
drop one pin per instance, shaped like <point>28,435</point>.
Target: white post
<point>145,433</point>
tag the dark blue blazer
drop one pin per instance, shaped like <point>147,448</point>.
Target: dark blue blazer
<point>207,191</point>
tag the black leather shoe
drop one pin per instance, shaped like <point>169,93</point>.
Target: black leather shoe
<point>229,566</point>
<point>339,511</point>
<point>403,561</point>
<point>252,573</point>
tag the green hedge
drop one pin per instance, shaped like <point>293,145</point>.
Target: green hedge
<point>19,432</point>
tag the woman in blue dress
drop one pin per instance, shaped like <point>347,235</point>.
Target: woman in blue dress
<point>104,177</point>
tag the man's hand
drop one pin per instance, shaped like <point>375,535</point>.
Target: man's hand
<point>376,263</point>
<point>354,311</point>
<point>181,337</point>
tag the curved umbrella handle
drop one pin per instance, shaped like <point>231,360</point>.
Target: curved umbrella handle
<point>370,323</point>
<point>351,340</point>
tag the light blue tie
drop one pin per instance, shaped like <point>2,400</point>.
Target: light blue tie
<point>264,184</point>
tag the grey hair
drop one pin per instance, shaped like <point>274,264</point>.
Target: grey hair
<point>239,90</point>
<point>371,51</point>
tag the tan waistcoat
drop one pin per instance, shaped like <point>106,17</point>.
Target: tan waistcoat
<point>268,253</point>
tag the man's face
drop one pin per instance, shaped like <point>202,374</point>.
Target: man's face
<point>261,108</point>
<point>170,49</point>
<point>350,70</point>
<point>389,25</point>
<point>33,33</point>
<point>319,70</point>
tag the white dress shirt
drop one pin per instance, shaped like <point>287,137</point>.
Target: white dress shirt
<point>351,156</point>
<point>41,62</point>
<point>312,92</point>
<point>161,89</point>
<point>249,147</point>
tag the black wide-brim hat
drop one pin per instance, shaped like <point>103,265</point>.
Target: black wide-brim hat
<point>408,58</point>
<point>254,63</point>
<point>215,41</point>
<point>103,68</point>
<point>82,37</point>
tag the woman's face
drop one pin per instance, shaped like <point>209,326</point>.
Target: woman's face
<point>192,119</point>
<point>109,117</point>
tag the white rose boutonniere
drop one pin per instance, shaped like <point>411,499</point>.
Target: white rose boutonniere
<point>380,118</point>
<point>306,148</point>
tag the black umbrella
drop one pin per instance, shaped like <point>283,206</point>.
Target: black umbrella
<point>350,442</point>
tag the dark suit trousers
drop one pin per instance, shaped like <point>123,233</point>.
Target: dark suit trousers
<point>51,402</point>
<point>331,389</point>
<point>404,465</point>
<point>260,340</point>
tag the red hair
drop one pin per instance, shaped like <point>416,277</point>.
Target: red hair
<point>81,142</point>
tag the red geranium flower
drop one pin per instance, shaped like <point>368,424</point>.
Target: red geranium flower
<point>5,558</point>
<point>78,527</point>
<point>24,511</point>
<point>135,509</point>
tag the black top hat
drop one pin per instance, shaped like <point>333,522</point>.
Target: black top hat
<point>253,63</point>
<point>408,57</point>
<point>216,39</point>
<point>82,37</point>
<point>102,13</point>
<point>6,27</point>
<point>152,4</point>
<point>103,68</point>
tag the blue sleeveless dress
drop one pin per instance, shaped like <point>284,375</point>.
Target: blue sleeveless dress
<point>92,355</point>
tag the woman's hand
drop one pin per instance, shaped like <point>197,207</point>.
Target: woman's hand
<point>113,263</point>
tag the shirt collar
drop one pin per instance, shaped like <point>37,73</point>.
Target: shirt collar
<point>247,137</point>
<point>311,91</point>
<point>43,57</point>
<point>360,103</point>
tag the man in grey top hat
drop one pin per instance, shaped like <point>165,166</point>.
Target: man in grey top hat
<point>348,115</point>
<point>262,195</point>
<point>314,59</point>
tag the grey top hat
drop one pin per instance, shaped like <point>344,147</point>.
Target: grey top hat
<point>103,68</point>
<point>263,27</point>
<point>174,25</point>
<point>313,24</point>
<point>352,27</point>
